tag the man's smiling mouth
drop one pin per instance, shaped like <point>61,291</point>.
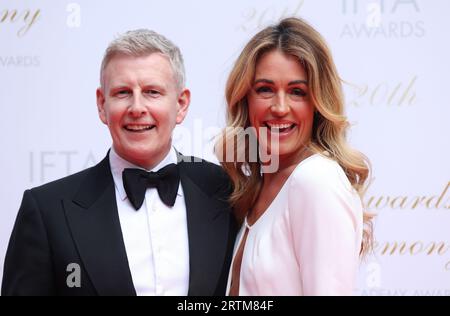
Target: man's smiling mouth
<point>138,127</point>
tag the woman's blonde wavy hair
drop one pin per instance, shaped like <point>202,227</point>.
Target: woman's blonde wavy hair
<point>295,37</point>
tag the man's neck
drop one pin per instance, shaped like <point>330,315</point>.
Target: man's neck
<point>146,164</point>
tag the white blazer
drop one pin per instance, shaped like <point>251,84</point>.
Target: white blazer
<point>308,240</point>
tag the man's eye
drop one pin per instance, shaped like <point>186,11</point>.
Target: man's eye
<point>152,92</point>
<point>122,93</point>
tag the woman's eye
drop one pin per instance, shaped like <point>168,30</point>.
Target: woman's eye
<point>298,92</point>
<point>264,90</point>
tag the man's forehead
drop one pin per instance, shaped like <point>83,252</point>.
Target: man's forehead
<point>154,60</point>
<point>153,68</point>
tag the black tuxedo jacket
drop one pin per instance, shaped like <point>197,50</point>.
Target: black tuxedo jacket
<point>75,220</point>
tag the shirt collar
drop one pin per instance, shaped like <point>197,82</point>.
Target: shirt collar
<point>118,164</point>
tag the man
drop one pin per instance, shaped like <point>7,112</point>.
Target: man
<point>144,221</point>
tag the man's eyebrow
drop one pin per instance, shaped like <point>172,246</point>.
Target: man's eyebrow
<point>154,85</point>
<point>118,87</point>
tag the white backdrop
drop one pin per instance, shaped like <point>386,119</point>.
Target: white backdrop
<point>392,54</point>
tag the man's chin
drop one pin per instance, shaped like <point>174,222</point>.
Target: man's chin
<point>145,156</point>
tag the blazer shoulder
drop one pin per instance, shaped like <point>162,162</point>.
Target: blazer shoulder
<point>59,189</point>
<point>320,172</point>
<point>211,178</point>
<point>69,185</point>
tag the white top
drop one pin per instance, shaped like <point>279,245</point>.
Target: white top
<point>155,236</point>
<point>308,240</point>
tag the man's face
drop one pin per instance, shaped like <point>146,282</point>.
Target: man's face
<point>140,103</point>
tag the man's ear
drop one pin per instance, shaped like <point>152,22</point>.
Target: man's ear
<point>184,99</point>
<point>101,105</point>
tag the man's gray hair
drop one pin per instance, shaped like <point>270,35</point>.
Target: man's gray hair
<point>144,42</point>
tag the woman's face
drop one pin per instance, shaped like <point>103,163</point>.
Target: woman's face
<point>279,105</point>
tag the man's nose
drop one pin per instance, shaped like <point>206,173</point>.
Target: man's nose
<point>137,107</point>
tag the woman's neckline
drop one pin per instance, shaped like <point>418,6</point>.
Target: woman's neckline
<point>261,216</point>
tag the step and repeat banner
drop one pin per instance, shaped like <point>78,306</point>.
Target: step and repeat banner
<point>392,55</point>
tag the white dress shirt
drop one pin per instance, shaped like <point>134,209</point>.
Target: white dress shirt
<point>308,240</point>
<point>155,236</point>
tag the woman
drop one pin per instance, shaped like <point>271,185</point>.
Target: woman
<point>303,226</point>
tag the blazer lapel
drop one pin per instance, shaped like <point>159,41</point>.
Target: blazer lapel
<point>208,226</point>
<point>94,222</point>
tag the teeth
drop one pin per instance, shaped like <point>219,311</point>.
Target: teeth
<point>137,127</point>
<point>279,126</point>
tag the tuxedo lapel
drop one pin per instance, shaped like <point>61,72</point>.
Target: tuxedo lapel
<point>94,222</point>
<point>208,225</point>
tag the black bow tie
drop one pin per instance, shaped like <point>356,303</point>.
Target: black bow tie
<point>165,180</point>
